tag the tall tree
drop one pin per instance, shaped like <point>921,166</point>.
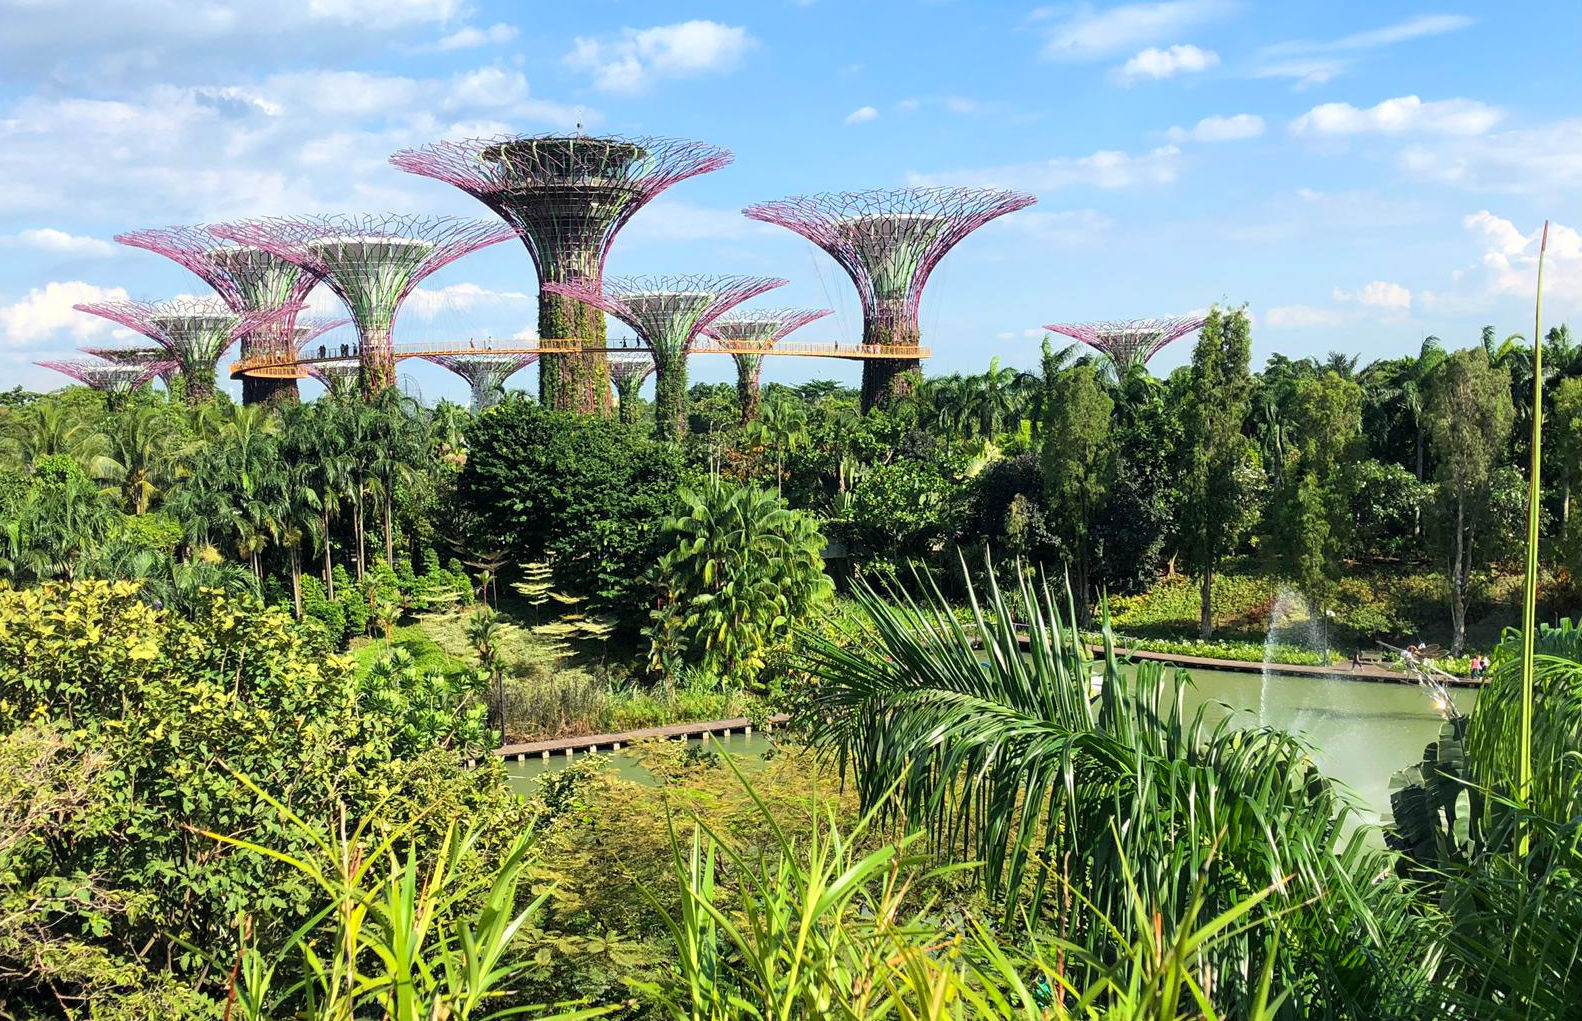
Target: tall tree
<point>1469,424</point>
<point>1311,519</point>
<point>1216,500</point>
<point>1078,463</point>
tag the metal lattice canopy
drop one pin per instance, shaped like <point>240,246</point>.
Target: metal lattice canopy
<point>758,330</point>
<point>667,312</point>
<point>246,277</point>
<point>627,367</point>
<point>889,241</point>
<point>485,373</point>
<point>1132,340</point>
<point>108,376</point>
<point>566,196</point>
<point>196,331</point>
<point>371,262</point>
<point>129,355</point>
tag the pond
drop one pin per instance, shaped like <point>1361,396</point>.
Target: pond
<point>1360,731</point>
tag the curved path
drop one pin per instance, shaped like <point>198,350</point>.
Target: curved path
<point>1342,671</point>
<point>569,746</point>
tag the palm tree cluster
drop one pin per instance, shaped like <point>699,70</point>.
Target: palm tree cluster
<point>214,494</point>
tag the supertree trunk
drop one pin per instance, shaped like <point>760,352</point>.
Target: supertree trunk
<point>749,394</point>
<point>376,362</point>
<point>887,380</point>
<point>573,382</point>
<point>198,384</point>
<point>670,398</point>
<point>273,392</point>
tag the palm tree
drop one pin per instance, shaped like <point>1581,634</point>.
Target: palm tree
<point>484,631</point>
<point>1342,364</point>
<point>987,736</point>
<point>48,428</point>
<point>995,399</point>
<point>142,455</point>
<point>300,521</point>
<point>781,427</point>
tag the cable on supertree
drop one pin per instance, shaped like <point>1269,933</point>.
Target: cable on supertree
<point>485,373</point>
<point>627,372</point>
<point>566,196</point>
<point>751,333</point>
<point>196,332</point>
<point>247,278</point>
<point>889,241</point>
<point>668,313</point>
<point>373,262</point>
<point>1129,342</point>
<point>116,380</point>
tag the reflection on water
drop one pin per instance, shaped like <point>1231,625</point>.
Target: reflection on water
<point>1360,731</point>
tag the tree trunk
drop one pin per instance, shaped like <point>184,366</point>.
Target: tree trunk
<point>1458,582</point>
<point>329,569</point>
<point>1205,620</point>
<point>1417,511</point>
<point>358,528</point>
<point>670,398</point>
<point>296,579</point>
<point>389,533</point>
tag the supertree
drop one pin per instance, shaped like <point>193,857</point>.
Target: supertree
<point>373,263</point>
<point>247,278</point>
<point>164,367</point>
<point>1131,342</point>
<point>339,377</point>
<point>888,242</point>
<point>566,196</point>
<point>668,313</point>
<point>196,332</point>
<point>749,334</point>
<point>486,373</point>
<point>115,379</point>
<point>627,372</point>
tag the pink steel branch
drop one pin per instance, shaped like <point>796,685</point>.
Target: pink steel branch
<point>1131,340</point>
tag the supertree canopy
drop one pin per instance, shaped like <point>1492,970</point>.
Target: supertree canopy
<point>566,196</point>
<point>627,372</point>
<point>668,313</point>
<point>247,278</point>
<point>196,332</point>
<point>749,334</point>
<point>154,355</point>
<point>116,379</point>
<point>373,263</point>
<point>1130,342</point>
<point>486,373</point>
<point>888,242</point>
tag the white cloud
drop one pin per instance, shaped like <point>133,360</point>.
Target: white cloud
<point>667,220</point>
<point>48,310</point>
<point>1380,294</point>
<point>1219,129</point>
<point>58,242</point>
<point>861,115</point>
<point>1107,169</point>
<point>633,62</point>
<point>909,105</point>
<point>1314,63</point>
<point>1092,34</point>
<point>1157,64</point>
<point>1545,161</point>
<point>431,303</point>
<point>1509,263</point>
<point>1399,116</point>
<point>1065,227</point>
<point>472,36</point>
<point>1303,317</point>
<point>294,142</point>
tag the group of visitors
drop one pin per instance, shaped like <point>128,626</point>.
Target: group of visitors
<point>1480,666</point>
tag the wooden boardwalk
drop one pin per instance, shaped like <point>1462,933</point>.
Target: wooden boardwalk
<point>1341,671</point>
<point>593,742</point>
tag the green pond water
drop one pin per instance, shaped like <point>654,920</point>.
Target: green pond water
<point>1360,731</point>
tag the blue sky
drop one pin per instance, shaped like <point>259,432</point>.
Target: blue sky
<point>1360,174</point>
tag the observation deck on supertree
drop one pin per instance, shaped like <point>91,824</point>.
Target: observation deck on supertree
<point>373,263</point>
<point>140,356</point>
<point>196,332</point>
<point>748,334</point>
<point>668,313</point>
<point>627,372</point>
<point>566,196</point>
<point>485,373</point>
<point>248,279</point>
<point>888,242</point>
<point>1132,341</point>
<point>113,378</point>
